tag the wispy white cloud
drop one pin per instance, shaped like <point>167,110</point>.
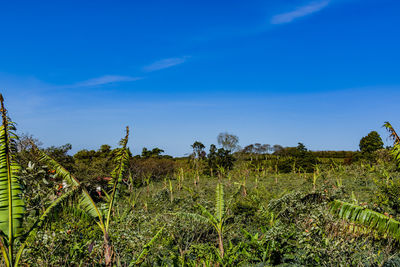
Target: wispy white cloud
<point>165,63</point>
<point>299,12</point>
<point>106,79</point>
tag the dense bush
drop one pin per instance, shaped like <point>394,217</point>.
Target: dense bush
<point>153,168</point>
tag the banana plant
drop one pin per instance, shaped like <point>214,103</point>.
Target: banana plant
<point>216,220</point>
<point>180,176</point>
<point>12,205</point>
<point>395,151</point>
<point>241,186</point>
<point>371,219</point>
<point>315,177</point>
<point>171,191</point>
<point>146,249</point>
<point>101,215</point>
<point>366,217</point>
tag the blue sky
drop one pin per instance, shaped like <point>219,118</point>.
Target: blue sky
<point>322,72</point>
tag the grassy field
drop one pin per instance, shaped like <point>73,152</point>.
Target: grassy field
<point>269,219</point>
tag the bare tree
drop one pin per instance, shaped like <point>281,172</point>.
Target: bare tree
<point>25,141</point>
<point>228,141</point>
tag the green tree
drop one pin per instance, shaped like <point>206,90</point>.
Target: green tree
<point>93,165</point>
<point>371,143</point>
<point>154,153</point>
<point>60,153</point>
<point>219,158</point>
<point>105,148</point>
<point>276,148</point>
<point>198,150</point>
<point>212,159</point>
<point>197,156</point>
<point>301,148</point>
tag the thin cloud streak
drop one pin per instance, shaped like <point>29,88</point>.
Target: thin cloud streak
<point>299,12</point>
<point>106,79</point>
<point>165,63</point>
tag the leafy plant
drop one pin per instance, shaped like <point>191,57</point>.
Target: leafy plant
<point>241,186</point>
<point>86,204</point>
<point>171,192</point>
<point>395,151</point>
<point>371,143</point>
<point>217,220</point>
<point>12,205</point>
<point>180,177</point>
<point>366,217</point>
<point>146,248</point>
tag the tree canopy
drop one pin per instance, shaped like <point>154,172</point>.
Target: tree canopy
<point>371,142</point>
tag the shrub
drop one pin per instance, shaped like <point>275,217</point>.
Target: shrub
<point>155,168</point>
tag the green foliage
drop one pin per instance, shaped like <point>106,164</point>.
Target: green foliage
<point>395,151</point>
<point>146,247</point>
<point>86,204</point>
<point>60,154</point>
<point>216,220</point>
<point>371,143</point>
<point>219,158</point>
<point>198,150</point>
<point>276,223</point>
<point>366,217</point>
<point>121,160</point>
<point>92,166</point>
<point>387,194</point>
<point>154,153</point>
<point>155,168</point>
<point>293,159</point>
<point>12,204</point>
<point>288,208</point>
<point>257,149</point>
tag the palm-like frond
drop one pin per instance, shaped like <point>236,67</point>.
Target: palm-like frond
<point>366,217</point>
<point>193,216</point>
<point>122,160</point>
<point>12,206</point>
<point>146,248</point>
<point>58,168</point>
<point>393,135</point>
<point>219,202</point>
<point>208,215</point>
<point>30,236</point>
<point>217,220</point>
<point>86,202</point>
<point>395,152</point>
